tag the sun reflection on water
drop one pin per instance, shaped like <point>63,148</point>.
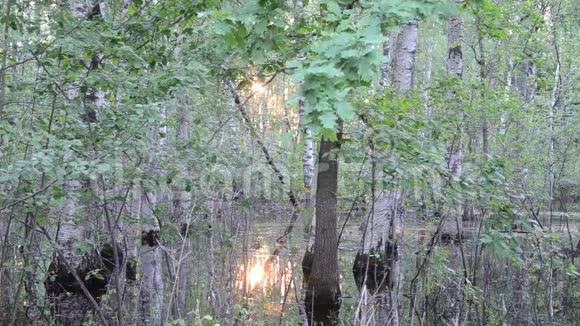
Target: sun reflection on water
<point>263,275</point>
<point>256,275</point>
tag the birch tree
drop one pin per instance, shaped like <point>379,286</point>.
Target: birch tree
<point>378,265</point>
<point>75,285</point>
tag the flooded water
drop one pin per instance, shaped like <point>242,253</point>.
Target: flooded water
<point>263,273</point>
<point>273,282</point>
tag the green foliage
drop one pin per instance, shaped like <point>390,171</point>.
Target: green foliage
<point>344,53</point>
<point>99,102</point>
<point>346,57</point>
<point>257,32</point>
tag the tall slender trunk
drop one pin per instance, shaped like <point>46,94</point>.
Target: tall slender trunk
<point>308,166</point>
<point>320,267</point>
<point>373,266</point>
<point>69,304</point>
<point>5,223</point>
<point>508,85</point>
<point>237,178</point>
<point>484,74</point>
<point>73,272</point>
<point>5,52</point>
<point>555,103</point>
<point>426,82</point>
<point>307,158</point>
<point>403,76</point>
<point>151,289</point>
<point>181,209</point>
<point>452,224</point>
<point>525,80</point>
<point>6,250</point>
<point>308,170</point>
<point>378,264</point>
<point>403,64</point>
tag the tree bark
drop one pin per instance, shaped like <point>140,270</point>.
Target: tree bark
<point>485,76</point>
<point>151,290</point>
<point>448,304</point>
<point>6,295</point>
<point>181,208</point>
<point>403,76</point>
<point>378,264</point>
<point>308,157</point>
<point>237,179</point>
<point>152,287</point>
<point>308,170</point>
<point>73,287</point>
<point>373,263</point>
<point>69,303</point>
<point>524,80</point>
<point>403,65</point>
<point>320,267</point>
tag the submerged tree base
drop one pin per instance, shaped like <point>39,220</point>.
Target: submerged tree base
<point>70,305</point>
<point>370,270</point>
<point>321,301</point>
<point>372,276</point>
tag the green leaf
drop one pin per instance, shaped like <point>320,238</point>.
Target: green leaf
<point>328,120</point>
<point>333,8</point>
<point>58,192</point>
<point>344,110</point>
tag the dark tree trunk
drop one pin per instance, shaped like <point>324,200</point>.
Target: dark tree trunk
<point>320,266</point>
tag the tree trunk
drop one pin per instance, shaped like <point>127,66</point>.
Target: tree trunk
<point>403,66</point>
<point>372,265</point>
<point>308,170</point>
<point>237,178</point>
<point>485,76</point>
<point>70,303</point>
<point>6,277</point>
<point>403,75</point>
<point>181,207</point>
<point>320,267</point>
<point>151,290</point>
<point>73,287</point>
<point>525,80</point>
<point>378,265</point>
<point>152,287</point>
<point>6,295</point>
<point>452,224</point>
<point>307,158</point>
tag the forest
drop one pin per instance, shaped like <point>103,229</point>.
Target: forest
<point>289,162</point>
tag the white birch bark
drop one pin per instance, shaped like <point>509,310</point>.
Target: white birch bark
<point>403,76</point>
<point>151,287</point>
<point>71,309</point>
<point>308,171</point>
<point>508,85</point>
<point>181,209</point>
<point>452,224</point>
<point>455,68</point>
<point>75,228</point>
<point>403,64</point>
<point>378,265</point>
<point>307,157</point>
